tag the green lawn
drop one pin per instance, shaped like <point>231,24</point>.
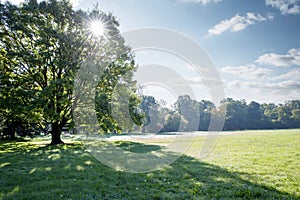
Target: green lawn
<point>245,165</point>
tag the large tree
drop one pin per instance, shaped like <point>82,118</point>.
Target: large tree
<point>236,114</point>
<point>44,44</point>
<point>254,116</point>
<point>205,108</point>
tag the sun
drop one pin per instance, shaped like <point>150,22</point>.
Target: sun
<point>97,28</point>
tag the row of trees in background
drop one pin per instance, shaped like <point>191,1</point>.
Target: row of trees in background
<point>238,115</point>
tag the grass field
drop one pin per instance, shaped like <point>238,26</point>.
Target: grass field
<point>243,165</point>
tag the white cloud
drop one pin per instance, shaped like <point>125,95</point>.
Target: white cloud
<point>285,6</point>
<point>276,92</point>
<point>293,75</point>
<point>203,2</point>
<point>249,72</point>
<point>293,85</point>
<point>283,89</point>
<point>203,81</point>
<point>237,23</point>
<point>292,58</point>
<point>261,84</point>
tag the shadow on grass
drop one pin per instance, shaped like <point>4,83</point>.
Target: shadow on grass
<point>70,172</point>
<point>137,147</point>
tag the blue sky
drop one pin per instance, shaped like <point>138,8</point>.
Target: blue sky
<point>255,44</point>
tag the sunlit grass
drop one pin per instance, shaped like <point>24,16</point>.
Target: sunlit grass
<point>266,157</point>
<point>256,165</point>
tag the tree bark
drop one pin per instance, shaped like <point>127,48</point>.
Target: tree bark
<point>56,133</point>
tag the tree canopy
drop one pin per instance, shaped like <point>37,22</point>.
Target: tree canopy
<point>43,45</point>
<point>239,115</point>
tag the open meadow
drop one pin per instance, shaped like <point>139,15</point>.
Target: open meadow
<point>108,100</point>
<point>242,165</point>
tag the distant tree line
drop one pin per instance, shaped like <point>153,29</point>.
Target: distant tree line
<point>239,115</point>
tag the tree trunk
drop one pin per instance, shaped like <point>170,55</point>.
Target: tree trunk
<point>56,132</point>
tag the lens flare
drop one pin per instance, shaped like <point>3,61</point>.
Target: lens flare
<point>97,28</point>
